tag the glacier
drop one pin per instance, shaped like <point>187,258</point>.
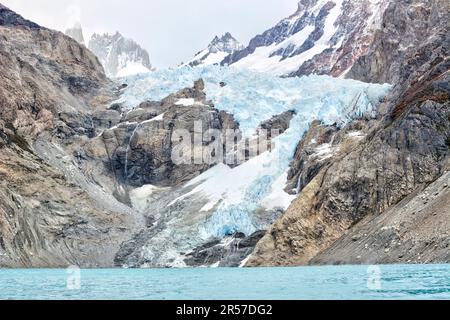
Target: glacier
<point>236,197</point>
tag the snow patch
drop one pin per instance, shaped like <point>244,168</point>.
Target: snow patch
<point>356,134</point>
<point>140,196</point>
<point>132,68</point>
<point>324,152</point>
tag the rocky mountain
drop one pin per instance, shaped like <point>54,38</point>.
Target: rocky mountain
<point>50,213</point>
<point>120,56</point>
<point>76,33</point>
<point>333,37</point>
<point>383,198</point>
<point>358,174</point>
<point>322,36</point>
<point>328,35</point>
<point>217,50</point>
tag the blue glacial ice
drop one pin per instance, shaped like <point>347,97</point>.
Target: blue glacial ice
<point>236,195</point>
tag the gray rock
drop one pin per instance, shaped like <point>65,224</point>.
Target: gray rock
<point>230,255</point>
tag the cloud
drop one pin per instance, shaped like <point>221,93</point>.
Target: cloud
<point>171,30</point>
<point>73,16</point>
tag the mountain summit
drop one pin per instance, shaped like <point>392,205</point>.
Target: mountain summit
<point>322,36</point>
<point>217,50</point>
<point>76,33</point>
<point>120,56</point>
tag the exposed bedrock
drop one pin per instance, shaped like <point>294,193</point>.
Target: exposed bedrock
<point>140,147</point>
<point>51,214</point>
<point>406,25</point>
<point>228,252</point>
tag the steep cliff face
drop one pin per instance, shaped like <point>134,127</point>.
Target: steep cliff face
<point>416,230</point>
<point>139,147</point>
<point>395,159</point>
<point>405,26</point>
<point>76,33</point>
<point>50,213</point>
<point>44,74</point>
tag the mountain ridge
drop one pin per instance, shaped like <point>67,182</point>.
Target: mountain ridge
<point>217,50</point>
<point>76,160</point>
<point>321,37</point>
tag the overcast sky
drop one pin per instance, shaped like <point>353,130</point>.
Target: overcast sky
<point>171,30</point>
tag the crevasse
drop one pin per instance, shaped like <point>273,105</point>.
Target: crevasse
<point>237,195</point>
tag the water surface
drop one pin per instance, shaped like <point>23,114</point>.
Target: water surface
<point>331,282</point>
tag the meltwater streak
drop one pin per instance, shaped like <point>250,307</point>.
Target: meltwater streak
<point>235,194</point>
<point>316,283</point>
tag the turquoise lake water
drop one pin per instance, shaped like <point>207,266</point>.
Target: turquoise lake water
<point>333,282</point>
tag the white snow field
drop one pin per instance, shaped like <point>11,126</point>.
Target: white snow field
<point>237,195</point>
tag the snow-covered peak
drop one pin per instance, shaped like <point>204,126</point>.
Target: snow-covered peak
<point>120,56</point>
<point>322,36</point>
<point>76,32</point>
<point>217,50</point>
<point>226,43</point>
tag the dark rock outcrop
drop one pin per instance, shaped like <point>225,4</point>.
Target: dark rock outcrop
<point>9,18</point>
<point>277,124</point>
<point>139,148</point>
<point>225,252</point>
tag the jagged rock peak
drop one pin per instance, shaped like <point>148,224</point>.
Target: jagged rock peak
<point>217,50</point>
<point>120,56</point>
<point>226,43</point>
<point>76,33</point>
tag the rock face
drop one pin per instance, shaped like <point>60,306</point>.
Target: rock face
<point>312,154</point>
<point>364,40</point>
<point>323,37</point>
<point>120,56</point>
<point>376,182</point>
<point>414,231</point>
<point>51,214</point>
<point>46,77</point>
<point>76,33</point>
<point>9,18</point>
<point>228,252</point>
<point>216,51</point>
<point>140,146</point>
<point>406,25</point>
